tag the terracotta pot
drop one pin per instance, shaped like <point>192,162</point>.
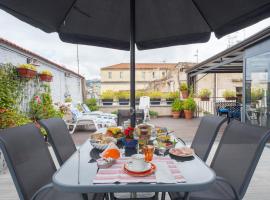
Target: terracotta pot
<point>205,98</point>
<point>184,94</point>
<point>175,114</point>
<point>230,98</point>
<point>188,114</point>
<point>26,73</point>
<point>45,77</point>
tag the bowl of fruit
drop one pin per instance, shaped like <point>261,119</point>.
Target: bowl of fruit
<point>115,132</point>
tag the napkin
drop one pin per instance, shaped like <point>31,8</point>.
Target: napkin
<point>163,173</point>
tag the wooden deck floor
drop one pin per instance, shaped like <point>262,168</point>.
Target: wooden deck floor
<point>258,189</point>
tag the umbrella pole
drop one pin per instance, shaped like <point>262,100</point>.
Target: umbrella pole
<point>132,64</point>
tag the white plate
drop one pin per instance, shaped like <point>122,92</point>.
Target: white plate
<point>129,166</point>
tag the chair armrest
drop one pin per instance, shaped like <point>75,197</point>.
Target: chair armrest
<point>43,188</point>
<point>221,179</point>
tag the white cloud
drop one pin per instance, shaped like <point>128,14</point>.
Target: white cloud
<point>93,58</point>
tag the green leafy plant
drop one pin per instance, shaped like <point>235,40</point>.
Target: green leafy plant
<point>92,104</point>
<point>68,99</point>
<point>155,95</point>
<point>184,87</point>
<point>109,94</point>
<point>114,112</point>
<point>204,93</point>
<point>177,105</point>
<point>11,87</point>
<point>122,95</point>
<point>41,105</point>
<point>12,118</point>
<point>189,104</point>
<point>172,95</point>
<point>140,93</point>
<point>256,94</point>
<point>153,113</point>
<point>229,94</point>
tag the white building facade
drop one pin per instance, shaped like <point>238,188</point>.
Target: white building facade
<point>65,82</point>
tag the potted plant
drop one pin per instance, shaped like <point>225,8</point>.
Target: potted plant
<point>171,96</point>
<point>107,97</point>
<point>177,107</point>
<point>189,106</point>
<point>256,94</point>
<point>46,76</point>
<point>155,97</point>
<point>184,90</point>
<point>153,114</point>
<point>204,94</point>
<point>27,71</point>
<point>123,97</point>
<point>229,95</point>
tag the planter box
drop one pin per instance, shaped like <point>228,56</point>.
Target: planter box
<point>230,98</point>
<point>204,98</point>
<point>169,101</point>
<point>26,73</point>
<point>45,77</point>
<point>107,102</point>
<point>123,102</point>
<point>155,101</point>
<point>184,94</point>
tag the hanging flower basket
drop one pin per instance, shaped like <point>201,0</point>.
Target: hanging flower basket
<point>27,71</point>
<point>46,76</point>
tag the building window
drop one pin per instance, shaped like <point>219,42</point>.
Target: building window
<point>153,74</point>
<point>143,75</point>
<point>121,75</point>
<point>163,74</point>
<point>110,75</point>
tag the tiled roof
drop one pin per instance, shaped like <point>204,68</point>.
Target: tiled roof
<point>15,46</point>
<point>149,66</point>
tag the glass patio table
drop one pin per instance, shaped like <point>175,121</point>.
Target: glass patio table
<point>78,172</point>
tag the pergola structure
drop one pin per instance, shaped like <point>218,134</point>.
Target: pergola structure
<point>230,60</point>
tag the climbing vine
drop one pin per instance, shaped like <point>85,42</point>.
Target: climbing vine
<point>12,93</point>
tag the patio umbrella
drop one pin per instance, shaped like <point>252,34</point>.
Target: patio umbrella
<point>120,24</point>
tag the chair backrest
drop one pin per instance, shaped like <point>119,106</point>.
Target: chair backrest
<point>206,135</point>
<point>144,102</point>
<point>124,115</point>
<point>28,159</point>
<point>59,137</point>
<point>76,114</point>
<point>85,108</point>
<point>238,153</point>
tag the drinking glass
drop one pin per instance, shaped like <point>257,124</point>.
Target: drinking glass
<point>148,152</point>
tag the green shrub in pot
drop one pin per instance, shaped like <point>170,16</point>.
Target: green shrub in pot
<point>177,107</point>
<point>204,94</point>
<point>189,106</point>
<point>229,94</point>
<point>107,97</point>
<point>184,90</point>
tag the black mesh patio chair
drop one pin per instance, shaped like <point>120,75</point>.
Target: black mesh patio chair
<point>61,141</point>
<point>206,135</point>
<point>31,165</point>
<point>124,115</point>
<point>59,137</point>
<point>235,161</point>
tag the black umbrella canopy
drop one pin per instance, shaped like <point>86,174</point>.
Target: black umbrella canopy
<point>120,24</point>
<point>158,23</point>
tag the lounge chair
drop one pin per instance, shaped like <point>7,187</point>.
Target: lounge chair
<point>78,119</point>
<point>234,162</point>
<point>105,115</point>
<point>31,165</point>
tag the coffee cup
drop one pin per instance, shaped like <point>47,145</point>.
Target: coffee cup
<point>138,162</point>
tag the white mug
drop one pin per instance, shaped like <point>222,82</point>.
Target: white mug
<point>138,162</point>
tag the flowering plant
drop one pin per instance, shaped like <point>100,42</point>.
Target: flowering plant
<point>129,132</point>
<point>28,66</point>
